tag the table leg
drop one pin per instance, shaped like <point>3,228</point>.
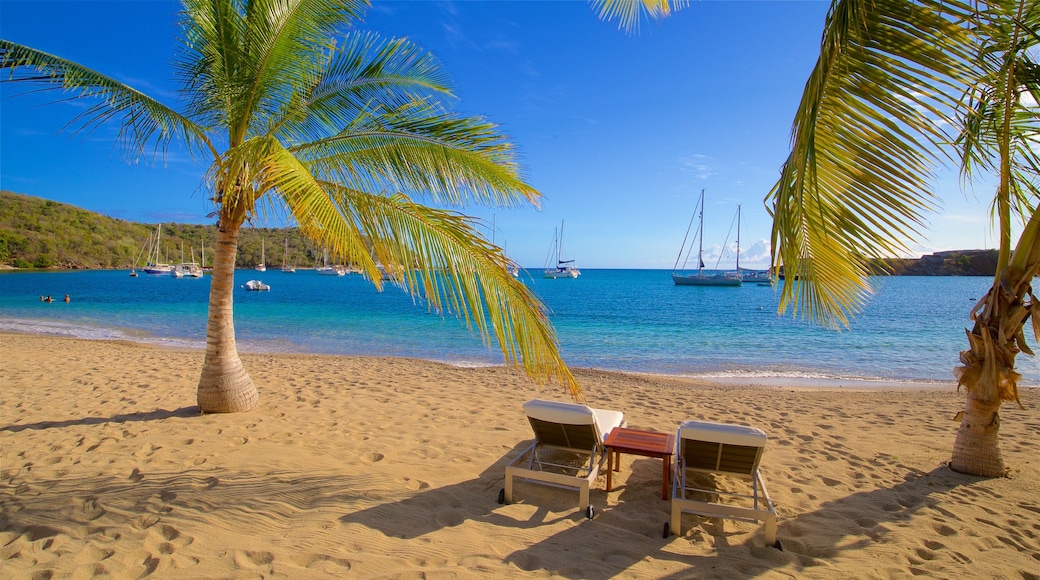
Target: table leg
<point>610,466</point>
<point>666,461</point>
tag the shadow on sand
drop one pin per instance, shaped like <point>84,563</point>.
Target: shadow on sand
<point>182,413</point>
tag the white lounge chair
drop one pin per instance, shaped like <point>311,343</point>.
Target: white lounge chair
<point>568,427</point>
<point>721,449</point>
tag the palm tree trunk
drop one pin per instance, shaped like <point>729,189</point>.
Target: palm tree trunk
<point>976,450</point>
<point>224,386</point>
<point>988,372</point>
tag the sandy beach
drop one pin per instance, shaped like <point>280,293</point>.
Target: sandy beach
<point>380,467</point>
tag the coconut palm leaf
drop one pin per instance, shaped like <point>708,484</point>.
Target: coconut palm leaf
<point>450,159</point>
<point>866,135</point>
<point>144,121</point>
<point>629,13</point>
<point>365,73</point>
<point>439,256</point>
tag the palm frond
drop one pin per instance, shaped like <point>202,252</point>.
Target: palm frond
<point>243,60</point>
<point>439,256</point>
<point>1000,132</point>
<point>867,133</point>
<point>144,121</point>
<point>421,150</point>
<point>629,13</point>
<point>365,73</point>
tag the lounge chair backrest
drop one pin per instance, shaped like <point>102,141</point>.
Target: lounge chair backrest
<point>720,447</point>
<point>565,425</point>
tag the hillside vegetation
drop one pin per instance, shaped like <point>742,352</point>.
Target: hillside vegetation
<point>38,233</point>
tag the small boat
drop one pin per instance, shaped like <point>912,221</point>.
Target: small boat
<point>564,268</point>
<point>133,273</point>
<point>256,286</point>
<point>702,278</point>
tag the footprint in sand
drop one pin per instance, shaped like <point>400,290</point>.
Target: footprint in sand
<point>372,457</point>
<point>250,559</point>
<point>415,484</point>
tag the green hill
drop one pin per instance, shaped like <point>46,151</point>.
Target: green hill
<point>38,233</point>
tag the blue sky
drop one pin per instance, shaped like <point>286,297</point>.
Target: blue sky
<point>619,132</point>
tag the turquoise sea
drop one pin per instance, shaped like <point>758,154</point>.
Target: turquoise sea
<point>630,320</point>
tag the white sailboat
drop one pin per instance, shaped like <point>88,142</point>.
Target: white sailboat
<point>702,278</point>
<point>286,266</point>
<point>262,266</point>
<point>155,265</point>
<point>326,270</point>
<point>564,268</point>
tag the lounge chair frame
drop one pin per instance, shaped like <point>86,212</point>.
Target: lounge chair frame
<point>579,438</point>
<point>720,449</point>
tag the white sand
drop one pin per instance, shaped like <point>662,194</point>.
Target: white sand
<point>377,467</point>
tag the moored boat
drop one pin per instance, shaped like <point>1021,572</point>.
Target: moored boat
<point>564,268</point>
<point>702,277</point>
<point>256,286</point>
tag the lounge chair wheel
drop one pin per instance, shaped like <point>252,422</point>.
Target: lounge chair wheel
<point>590,512</point>
<point>501,496</point>
<point>778,545</point>
<point>667,530</point>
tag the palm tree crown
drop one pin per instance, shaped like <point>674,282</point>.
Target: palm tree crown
<point>293,110</point>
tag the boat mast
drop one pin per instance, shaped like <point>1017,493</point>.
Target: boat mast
<point>700,238</point>
<point>738,238</point>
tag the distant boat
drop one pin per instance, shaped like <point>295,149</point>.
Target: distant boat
<point>262,266</point>
<point>702,278</point>
<point>154,264</point>
<point>564,268</point>
<point>286,266</point>
<point>187,269</point>
<point>326,270</point>
<point>256,286</point>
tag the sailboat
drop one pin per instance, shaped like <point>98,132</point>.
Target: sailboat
<point>187,269</point>
<point>262,266</point>
<point>564,268</point>
<point>154,265</point>
<point>702,278</point>
<point>326,270</point>
<point>286,266</point>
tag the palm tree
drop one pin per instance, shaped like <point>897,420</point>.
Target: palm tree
<point>900,84</point>
<point>343,135</point>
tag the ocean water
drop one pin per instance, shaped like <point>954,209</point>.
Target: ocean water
<point>630,320</point>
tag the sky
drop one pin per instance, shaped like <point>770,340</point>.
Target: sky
<point>619,132</point>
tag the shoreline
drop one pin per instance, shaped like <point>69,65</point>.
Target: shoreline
<point>390,467</point>
<point>786,380</point>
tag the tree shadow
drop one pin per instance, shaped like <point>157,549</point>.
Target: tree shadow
<point>156,415</point>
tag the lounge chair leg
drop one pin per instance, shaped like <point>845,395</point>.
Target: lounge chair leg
<point>770,526</point>
<point>583,502</point>
<point>507,492</point>
<point>676,522</point>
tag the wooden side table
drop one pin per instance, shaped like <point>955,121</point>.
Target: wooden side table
<point>638,442</point>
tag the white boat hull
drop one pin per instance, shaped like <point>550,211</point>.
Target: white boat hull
<point>706,280</point>
<point>562,273</point>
